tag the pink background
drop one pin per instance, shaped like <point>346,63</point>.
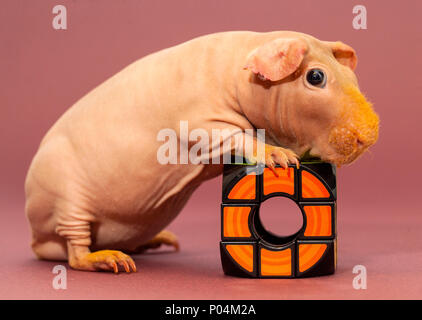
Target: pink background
<point>44,71</point>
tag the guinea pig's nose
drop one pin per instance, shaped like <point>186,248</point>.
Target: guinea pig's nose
<point>365,141</point>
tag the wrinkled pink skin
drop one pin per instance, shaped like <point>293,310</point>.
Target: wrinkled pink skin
<point>95,182</point>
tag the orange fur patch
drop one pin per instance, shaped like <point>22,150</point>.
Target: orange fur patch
<point>358,121</point>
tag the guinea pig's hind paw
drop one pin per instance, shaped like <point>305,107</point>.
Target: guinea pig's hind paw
<point>164,237</point>
<point>110,260</point>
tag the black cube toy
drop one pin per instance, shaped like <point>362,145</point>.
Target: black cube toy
<point>249,250</point>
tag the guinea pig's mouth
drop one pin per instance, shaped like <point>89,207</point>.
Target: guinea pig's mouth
<point>345,160</point>
<point>350,143</point>
<point>307,156</point>
<point>333,156</point>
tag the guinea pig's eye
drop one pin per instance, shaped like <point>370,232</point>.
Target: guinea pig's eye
<point>316,77</point>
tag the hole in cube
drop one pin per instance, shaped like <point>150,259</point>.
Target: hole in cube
<point>279,221</point>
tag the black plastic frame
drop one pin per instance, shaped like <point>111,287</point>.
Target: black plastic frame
<point>262,238</point>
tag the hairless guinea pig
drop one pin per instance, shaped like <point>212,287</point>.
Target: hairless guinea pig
<point>95,186</point>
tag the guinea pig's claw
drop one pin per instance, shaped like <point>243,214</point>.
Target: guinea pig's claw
<point>297,163</point>
<point>125,265</point>
<point>115,267</point>
<point>132,265</point>
<point>272,168</point>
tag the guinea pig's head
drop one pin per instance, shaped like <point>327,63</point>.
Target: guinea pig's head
<point>320,111</point>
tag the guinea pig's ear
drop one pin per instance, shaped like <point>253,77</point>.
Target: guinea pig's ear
<point>344,54</point>
<point>277,59</point>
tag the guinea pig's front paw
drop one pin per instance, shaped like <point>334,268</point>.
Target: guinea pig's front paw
<point>277,155</point>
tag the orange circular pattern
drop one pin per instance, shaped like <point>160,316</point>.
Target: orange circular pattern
<point>319,221</point>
